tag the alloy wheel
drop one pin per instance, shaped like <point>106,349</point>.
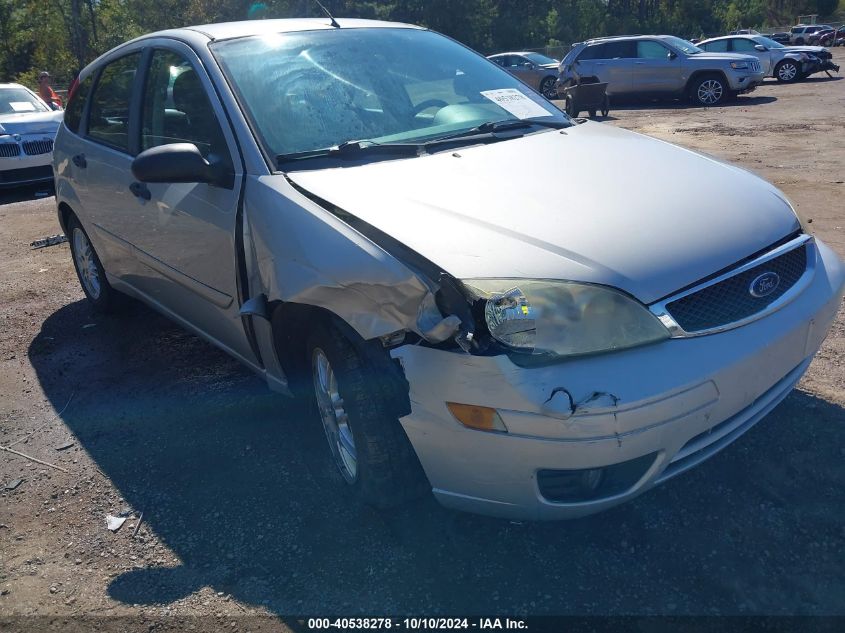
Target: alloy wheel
<point>334,417</point>
<point>787,71</point>
<point>86,264</point>
<point>710,91</point>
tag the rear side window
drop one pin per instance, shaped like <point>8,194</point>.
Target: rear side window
<point>73,112</point>
<point>744,46</point>
<point>108,119</point>
<point>719,46</point>
<point>620,50</point>
<point>592,52</point>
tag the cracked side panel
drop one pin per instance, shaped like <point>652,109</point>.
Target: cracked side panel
<point>301,253</point>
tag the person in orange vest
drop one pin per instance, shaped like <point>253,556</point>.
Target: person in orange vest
<point>46,92</point>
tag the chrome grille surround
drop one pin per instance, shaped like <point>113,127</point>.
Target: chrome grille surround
<point>33,148</point>
<point>661,310</point>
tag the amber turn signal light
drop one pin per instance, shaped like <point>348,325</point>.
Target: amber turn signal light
<point>475,417</point>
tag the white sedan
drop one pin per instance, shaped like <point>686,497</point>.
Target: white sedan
<point>27,130</point>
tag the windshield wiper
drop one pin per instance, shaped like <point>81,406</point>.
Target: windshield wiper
<point>490,128</point>
<point>349,149</point>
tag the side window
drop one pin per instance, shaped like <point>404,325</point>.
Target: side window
<point>176,107</point>
<point>108,119</point>
<point>73,112</point>
<point>743,45</point>
<point>620,49</point>
<point>592,52</point>
<point>646,49</point>
<point>719,46</point>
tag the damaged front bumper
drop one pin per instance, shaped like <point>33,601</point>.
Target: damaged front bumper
<point>632,418</point>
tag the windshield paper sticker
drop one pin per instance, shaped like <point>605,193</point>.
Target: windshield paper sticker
<point>22,106</point>
<point>517,103</point>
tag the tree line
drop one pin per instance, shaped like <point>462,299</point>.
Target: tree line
<point>62,36</point>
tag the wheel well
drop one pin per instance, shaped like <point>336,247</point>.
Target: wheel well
<point>65,213</point>
<point>706,73</point>
<point>292,323</point>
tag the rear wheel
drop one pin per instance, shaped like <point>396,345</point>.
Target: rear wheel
<point>368,445</point>
<point>709,90</point>
<point>787,71</point>
<point>569,106</point>
<point>799,41</point>
<point>89,269</point>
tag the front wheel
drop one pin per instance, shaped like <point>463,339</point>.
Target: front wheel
<point>548,88</point>
<point>787,71</point>
<point>709,90</point>
<point>368,445</point>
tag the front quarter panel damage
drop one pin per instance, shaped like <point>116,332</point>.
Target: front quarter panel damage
<point>298,252</point>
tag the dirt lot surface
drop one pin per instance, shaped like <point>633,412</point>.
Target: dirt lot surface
<point>240,507</point>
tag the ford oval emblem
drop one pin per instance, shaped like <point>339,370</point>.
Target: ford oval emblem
<point>764,285</point>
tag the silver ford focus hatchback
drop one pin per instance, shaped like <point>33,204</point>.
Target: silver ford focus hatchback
<point>330,203</point>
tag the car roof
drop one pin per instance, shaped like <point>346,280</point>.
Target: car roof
<point>246,28</point>
<point>515,53</point>
<point>609,38</point>
<point>730,37</point>
<point>13,86</point>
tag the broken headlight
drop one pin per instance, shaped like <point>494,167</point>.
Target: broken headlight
<point>564,318</point>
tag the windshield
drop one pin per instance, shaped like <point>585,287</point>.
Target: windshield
<point>540,60</point>
<point>18,100</point>
<point>687,47</point>
<point>768,43</point>
<point>306,91</point>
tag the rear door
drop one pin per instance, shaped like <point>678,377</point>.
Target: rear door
<point>106,160</point>
<point>656,69</point>
<point>615,66</point>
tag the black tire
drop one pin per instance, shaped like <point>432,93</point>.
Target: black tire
<point>799,42</point>
<point>387,471</point>
<point>569,107</point>
<point>709,90</point>
<point>787,72</point>
<point>548,88</point>
<point>605,108</point>
<point>89,270</point>
<point>592,114</point>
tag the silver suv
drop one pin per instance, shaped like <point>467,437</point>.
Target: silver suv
<point>660,65</point>
<point>801,34</point>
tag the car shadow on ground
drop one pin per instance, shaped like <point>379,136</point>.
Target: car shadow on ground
<point>22,194</point>
<point>238,483</point>
<point>673,104</point>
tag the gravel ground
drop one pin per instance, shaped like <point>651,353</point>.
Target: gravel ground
<point>241,514</point>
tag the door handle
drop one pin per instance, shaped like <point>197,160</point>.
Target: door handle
<point>79,161</point>
<point>140,190</point>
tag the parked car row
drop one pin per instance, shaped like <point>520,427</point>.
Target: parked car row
<point>709,72</point>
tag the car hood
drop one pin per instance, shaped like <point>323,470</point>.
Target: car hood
<point>804,49</point>
<point>709,57</point>
<point>30,122</point>
<point>592,203</point>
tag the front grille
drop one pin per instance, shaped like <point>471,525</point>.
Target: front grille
<point>34,148</point>
<point>731,300</point>
<point>8,150</point>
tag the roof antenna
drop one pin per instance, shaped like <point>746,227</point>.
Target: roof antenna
<point>328,15</point>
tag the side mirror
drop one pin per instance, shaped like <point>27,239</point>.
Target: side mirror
<point>760,47</point>
<point>671,55</point>
<point>181,162</point>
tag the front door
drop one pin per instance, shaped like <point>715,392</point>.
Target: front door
<point>184,233</point>
<point>656,69</point>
